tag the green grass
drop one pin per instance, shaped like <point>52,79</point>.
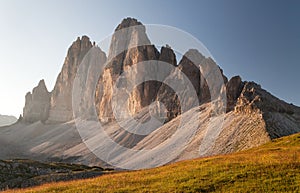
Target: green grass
<point>273,167</point>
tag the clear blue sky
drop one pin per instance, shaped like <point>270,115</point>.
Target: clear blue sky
<point>259,40</point>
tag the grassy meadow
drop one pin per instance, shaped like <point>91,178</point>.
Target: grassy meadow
<point>273,167</point>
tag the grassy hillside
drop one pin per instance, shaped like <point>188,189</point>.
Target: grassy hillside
<point>274,167</point>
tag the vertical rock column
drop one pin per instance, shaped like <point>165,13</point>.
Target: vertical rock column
<point>37,104</point>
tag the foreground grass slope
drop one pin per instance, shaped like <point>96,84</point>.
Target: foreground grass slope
<point>273,167</point>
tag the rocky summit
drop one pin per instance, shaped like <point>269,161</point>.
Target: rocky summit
<point>252,115</point>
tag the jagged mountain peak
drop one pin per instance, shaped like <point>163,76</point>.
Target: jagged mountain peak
<point>167,55</point>
<point>83,38</point>
<point>128,22</point>
<point>193,52</point>
<point>129,35</point>
<point>80,45</point>
<point>37,103</point>
<point>42,85</point>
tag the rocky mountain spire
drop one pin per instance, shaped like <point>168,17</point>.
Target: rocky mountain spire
<point>37,104</point>
<point>130,45</point>
<point>128,22</point>
<point>61,97</point>
<point>167,55</point>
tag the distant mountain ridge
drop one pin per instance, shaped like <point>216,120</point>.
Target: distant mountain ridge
<point>7,120</point>
<point>253,116</point>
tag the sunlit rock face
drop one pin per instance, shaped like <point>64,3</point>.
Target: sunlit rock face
<point>129,47</point>
<point>61,96</point>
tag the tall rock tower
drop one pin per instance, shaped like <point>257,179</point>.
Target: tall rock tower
<point>61,97</point>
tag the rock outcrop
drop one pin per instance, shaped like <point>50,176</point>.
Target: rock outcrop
<point>37,104</point>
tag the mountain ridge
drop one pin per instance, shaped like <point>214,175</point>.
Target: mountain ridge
<point>7,120</point>
<point>251,116</point>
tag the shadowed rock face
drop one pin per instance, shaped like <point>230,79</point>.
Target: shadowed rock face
<point>191,65</point>
<point>37,104</point>
<point>167,55</point>
<point>233,90</point>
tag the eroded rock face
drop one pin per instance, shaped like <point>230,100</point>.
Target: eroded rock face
<point>61,97</point>
<point>280,118</point>
<point>37,104</point>
<point>196,68</point>
<point>255,99</point>
<point>129,48</point>
<point>190,66</point>
<point>85,83</point>
<point>233,90</point>
<point>167,55</point>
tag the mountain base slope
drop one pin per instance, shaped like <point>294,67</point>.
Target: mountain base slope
<point>273,167</point>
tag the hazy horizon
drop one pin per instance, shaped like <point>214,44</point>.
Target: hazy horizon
<point>260,41</point>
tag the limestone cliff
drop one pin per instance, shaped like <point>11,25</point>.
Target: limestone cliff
<point>37,104</point>
<point>129,47</point>
<point>61,96</point>
<point>196,68</point>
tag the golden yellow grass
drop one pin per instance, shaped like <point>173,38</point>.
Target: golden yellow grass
<point>273,167</point>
